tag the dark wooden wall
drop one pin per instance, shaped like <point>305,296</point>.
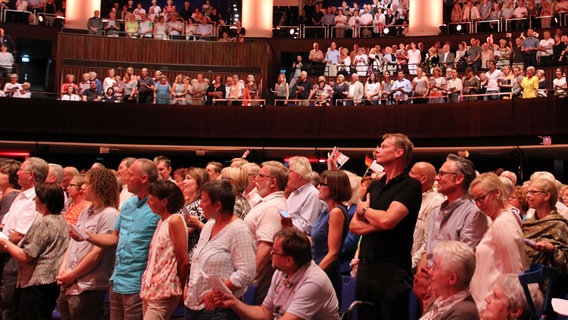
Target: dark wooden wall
<point>80,53</point>
<point>493,123</point>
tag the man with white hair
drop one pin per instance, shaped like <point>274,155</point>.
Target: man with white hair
<point>356,89</point>
<point>55,175</point>
<point>264,220</point>
<point>509,175</point>
<point>251,192</point>
<point>454,265</point>
<point>304,205</point>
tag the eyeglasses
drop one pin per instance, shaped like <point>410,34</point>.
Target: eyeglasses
<point>443,173</point>
<point>262,176</point>
<point>533,192</point>
<point>322,184</point>
<point>482,197</point>
<point>73,185</point>
<point>273,252</point>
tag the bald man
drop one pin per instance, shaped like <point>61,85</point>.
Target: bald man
<point>510,175</point>
<point>431,199</point>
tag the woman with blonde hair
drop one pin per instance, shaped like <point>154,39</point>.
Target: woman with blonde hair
<point>131,26</point>
<point>179,90</point>
<point>69,82</point>
<point>239,179</point>
<point>281,90</point>
<point>501,250</point>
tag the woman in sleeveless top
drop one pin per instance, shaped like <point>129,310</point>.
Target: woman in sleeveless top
<point>166,272</point>
<point>330,228</point>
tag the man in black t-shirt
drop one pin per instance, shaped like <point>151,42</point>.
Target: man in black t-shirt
<point>386,219</point>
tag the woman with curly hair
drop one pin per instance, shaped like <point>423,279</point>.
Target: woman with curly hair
<point>85,271</point>
<point>518,199</point>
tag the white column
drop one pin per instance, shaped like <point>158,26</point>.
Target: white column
<point>425,17</point>
<point>257,18</point>
<point>78,12</point>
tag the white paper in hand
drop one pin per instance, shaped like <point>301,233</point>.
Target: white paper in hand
<point>78,233</point>
<point>219,285</point>
<point>560,306</point>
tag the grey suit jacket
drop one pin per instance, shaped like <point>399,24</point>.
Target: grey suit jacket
<point>447,61</point>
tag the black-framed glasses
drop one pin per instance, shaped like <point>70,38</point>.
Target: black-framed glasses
<point>533,192</point>
<point>272,251</point>
<point>322,184</point>
<point>482,197</point>
<point>444,173</point>
<point>262,176</point>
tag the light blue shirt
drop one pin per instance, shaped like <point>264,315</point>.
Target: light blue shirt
<point>135,225</point>
<point>403,84</point>
<point>333,56</point>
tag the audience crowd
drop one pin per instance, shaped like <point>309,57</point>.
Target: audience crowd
<point>403,73</point>
<point>364,75</point>
<point>482,69</point>
<point>153,236</point>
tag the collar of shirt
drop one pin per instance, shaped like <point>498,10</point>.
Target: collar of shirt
<point>440,307</point>
<point>30,193</point>
<point>141,202</point>
<point>272,196</point>
<point>448,207</point>
<point>300,189</point>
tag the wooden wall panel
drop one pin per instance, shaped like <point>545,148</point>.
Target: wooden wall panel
<point>101,53</point>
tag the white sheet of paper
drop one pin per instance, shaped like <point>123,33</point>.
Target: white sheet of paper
<point>219,284</point>
<point>560,306</point>
<point>80,234</point>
